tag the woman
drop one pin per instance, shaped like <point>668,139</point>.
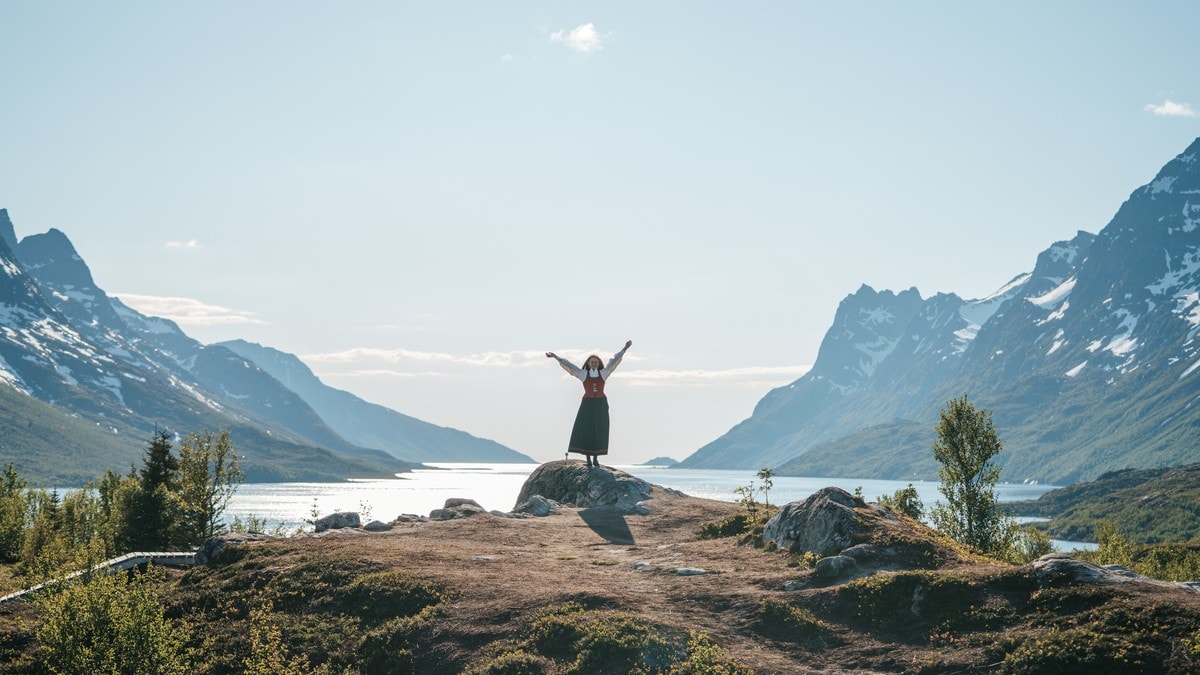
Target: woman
<point>589,436</point>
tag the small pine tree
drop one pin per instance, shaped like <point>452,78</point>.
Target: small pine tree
<point>906,500</point>
<point>154,509</point>
<point>14,508</point>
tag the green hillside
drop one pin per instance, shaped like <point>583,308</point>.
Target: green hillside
<point>1150,506</point>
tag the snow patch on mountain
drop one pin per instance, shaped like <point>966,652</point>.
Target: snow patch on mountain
<point>10,268</point>
<point>1058,342</point>
<point>877,316</point>
<point>977,312</point>
<point>113,385</point>
<point>1163,184</point>
<point>1190,223</point>
<point>176,382</point>
<point>1076,370</point>
<point>875,351</point>
<point>1190,369</point>
<point>1056,296</point>
<point>1174,278</point>
<point>1123,342</point>
<point>1062,252</point>
<point>9,376</point>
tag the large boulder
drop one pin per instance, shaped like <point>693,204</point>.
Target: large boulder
<point>213,547</point>
<point>457,507</point>
<point>572,483</point>
<point>537,505</point>
<point>1059,569</point>
<point>337,521</point>
<point>828,522</point>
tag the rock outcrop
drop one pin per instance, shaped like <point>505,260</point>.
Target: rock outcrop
<point>337,521</point>
<point>537,505</point>
<point>828,522</point>
<point>213,547</point>
<point>572,483</point>
<point>457,507</point>
<point>1060,569</point>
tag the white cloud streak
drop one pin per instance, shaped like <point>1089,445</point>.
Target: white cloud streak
<point>189,244</point>
<point>582,38</point>
<point>755,376</point>
<point>188,312</point>
<point>1170,108</point>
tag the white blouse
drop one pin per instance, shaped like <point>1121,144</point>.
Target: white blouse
<point>582,374</point>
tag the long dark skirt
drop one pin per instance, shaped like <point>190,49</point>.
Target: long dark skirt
<point>589,436</point>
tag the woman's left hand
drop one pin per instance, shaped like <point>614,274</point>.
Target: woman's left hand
<point>628,344</point>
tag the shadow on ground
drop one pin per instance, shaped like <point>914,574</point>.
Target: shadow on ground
<point>609,523</point>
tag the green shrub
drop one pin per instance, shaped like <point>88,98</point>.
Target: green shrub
<point>705,657</point>
<point>732,526</point>
<point>788,622</point>
<point>513,662</point>
<point>382,595</point>
<point>1079,650</point>
<point>618,644</point>
<point>103,623</point>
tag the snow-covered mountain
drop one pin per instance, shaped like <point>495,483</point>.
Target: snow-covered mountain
<point>1088,361</point>
<point>101,364</point>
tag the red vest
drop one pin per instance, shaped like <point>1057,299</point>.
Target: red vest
<point>593,387</point>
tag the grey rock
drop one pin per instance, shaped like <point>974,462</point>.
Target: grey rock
<point>835,566</point>
<point>1059,569</point>
<point>410,518</point>
<point>642,566</point>
<point>689,571</point>
<point>862,552</point>
<point>336,521</point>
<point>796,584</point>
<point>537,505</point>
<point>826,523</point>
<point>641,508</point>
<point>377,526</point>
<point>571,483</point>
<point>213,547</point>
<point>457,508</point>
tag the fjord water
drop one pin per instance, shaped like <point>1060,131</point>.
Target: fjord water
<point>495,487</point>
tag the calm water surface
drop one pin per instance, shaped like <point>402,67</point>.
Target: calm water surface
<point>495,487</point>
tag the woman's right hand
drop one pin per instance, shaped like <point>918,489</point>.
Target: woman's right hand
<point>550,355</point>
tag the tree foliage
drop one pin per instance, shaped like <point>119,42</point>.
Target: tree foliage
<point>906,500</point>
<point>966,443</point>
<point>208,476</point>
<point>155,506</point>
<point>13,508</point>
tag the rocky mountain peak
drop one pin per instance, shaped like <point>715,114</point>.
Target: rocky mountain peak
<point>8,235</point>
<point>52,258</point>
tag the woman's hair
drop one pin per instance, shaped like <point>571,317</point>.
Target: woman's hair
<point>589,360</point>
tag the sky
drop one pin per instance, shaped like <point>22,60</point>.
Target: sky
<point>421,199</point>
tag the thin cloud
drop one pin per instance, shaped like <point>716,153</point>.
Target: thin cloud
<point>189,244</point>
<point>493,359</point>
<point>1170,108</point>
<point>754,376</point>
<point>582,38</point>
<point>188,312</point>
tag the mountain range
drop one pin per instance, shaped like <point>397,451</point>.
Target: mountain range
<point>85,379</point>
<point>1088,362</point>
